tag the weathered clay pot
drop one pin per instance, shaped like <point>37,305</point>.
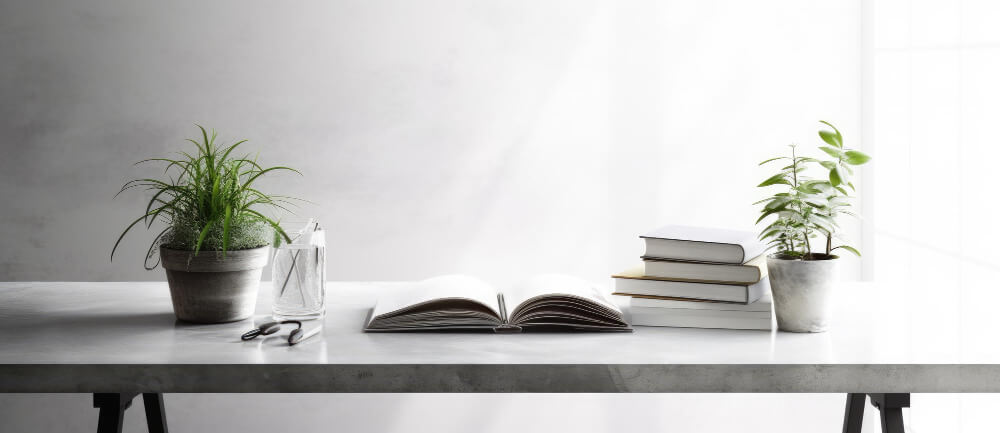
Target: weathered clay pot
<point>208,288</point>
<point>803,292</point>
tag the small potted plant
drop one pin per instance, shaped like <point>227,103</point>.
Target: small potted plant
<point>215,245</point>
<point>803,225</point>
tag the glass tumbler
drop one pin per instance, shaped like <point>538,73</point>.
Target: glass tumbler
<point>298,273</point>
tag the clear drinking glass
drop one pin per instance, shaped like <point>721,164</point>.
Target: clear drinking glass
<point>298,272</point>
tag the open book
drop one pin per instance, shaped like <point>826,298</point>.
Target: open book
<point>461,302</point>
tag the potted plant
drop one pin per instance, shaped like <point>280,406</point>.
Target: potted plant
<point>803,271</point>
<point>215,245</point>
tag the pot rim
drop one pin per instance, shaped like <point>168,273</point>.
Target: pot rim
<point>237,260</point>
<point>778,256</point>
<point>164,247</point>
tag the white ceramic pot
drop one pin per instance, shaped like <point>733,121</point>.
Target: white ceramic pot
<point>803,292</point>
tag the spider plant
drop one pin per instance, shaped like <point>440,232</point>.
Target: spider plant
<point>208,201</point>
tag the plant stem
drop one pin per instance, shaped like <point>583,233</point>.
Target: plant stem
<point>795,186</point>
<point>795,169</point>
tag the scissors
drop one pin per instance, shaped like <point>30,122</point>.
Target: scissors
<point>267,328</point>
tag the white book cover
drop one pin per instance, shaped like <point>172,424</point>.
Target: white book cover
<point>633,282</point>
<point>702,244</point>
<point>745,274</point>
<point>699,314</point>
<point>691,312</point>
<point>643,318</point>
<point>761,305</point>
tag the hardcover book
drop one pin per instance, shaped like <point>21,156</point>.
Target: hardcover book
<point>749,273</point>
<point>633,282</point>
<point>647,317</point>
<point>702,244</point>
<point>687,314</point>
<point>458,302</point>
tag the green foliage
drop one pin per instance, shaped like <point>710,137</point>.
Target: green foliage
<point>244,233</point>
<point>208,200</point>
<point>807,208</point>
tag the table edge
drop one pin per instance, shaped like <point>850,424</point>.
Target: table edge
<point>499,378</point>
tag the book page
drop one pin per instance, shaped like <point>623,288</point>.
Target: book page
<point>555,284</point>
<point>438,289</point>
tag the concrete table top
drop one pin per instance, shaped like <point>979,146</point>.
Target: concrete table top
<point>122,337</point>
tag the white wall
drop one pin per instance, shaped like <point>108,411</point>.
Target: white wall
<point>704,90</point>
<point>495,138</point>
<point>934,67</point>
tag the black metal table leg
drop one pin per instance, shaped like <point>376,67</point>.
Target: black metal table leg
<point>854,413</point>
<point>112,414</point>
<point>113,405</point>
<point>890,406</point>
<point>156,416</point>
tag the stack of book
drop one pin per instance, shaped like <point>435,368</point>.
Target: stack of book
<point>699,278</point>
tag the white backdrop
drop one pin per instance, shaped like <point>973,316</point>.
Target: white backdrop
<point>495,138</point>
<point>932,104</point>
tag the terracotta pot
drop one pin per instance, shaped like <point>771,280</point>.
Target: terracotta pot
<point>208,288</point>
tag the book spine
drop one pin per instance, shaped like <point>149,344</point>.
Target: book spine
<point>700,322</point>
<point>507,329</point>
<point>503,308</point>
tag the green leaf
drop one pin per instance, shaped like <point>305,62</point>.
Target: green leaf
<point>777,203</point>
<point>831,138</point>
<point>838,201</point>
<point>765,214</point>
<point>149,251</point>
<point>829,165</point>
<point>835,176</point>
<point>814,218</point>
<point>205,191</point>
<point>772,159</point>
<point>848,248</point>
<point>840,138</point>
<point>261,173</point>
<point>816,202</point>
<point>226,222</point>
<point>855,157</point>
<point>773,226</point>
<point>120,237</point>
<point>823,186</point>
<point>774,180</point>
<point>769,234</point>
<point>808,188</point>
<point>836,153</point>
<point>201,236</point>
<point>274,224</point>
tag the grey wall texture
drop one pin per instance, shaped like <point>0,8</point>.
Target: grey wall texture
<point>500,139</point>
<point>416,125</point>
<point>496,138</point>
